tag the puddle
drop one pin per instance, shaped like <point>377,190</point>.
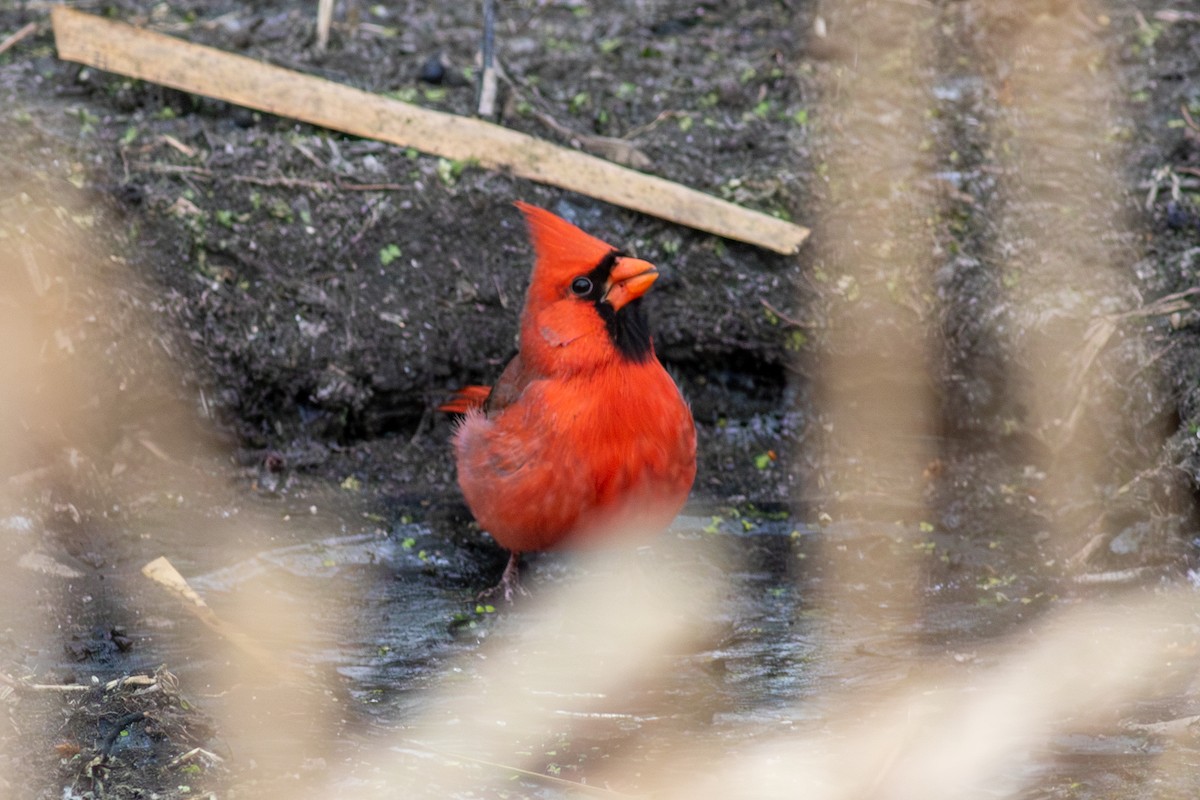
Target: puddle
<point>392,617</point>
<point>404,666</point>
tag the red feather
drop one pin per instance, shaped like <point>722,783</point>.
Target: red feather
<point>465,399</point>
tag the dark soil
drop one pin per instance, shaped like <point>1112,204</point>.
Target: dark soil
<point>219,318</point>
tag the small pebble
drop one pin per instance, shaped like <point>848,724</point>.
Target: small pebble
<point>433,70</point>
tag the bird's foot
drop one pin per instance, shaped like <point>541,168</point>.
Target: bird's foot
<point>510,582</point>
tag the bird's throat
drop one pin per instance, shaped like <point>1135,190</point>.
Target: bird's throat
<point>628,330</point>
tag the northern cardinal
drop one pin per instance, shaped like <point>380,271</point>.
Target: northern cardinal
<point>585,433</point>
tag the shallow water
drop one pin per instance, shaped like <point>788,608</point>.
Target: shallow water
<point>386,676</point>
<point>393,630</point>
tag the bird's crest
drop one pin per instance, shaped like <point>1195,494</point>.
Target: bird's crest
<point>559,246</point>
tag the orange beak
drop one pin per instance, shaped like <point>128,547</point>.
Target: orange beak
<point>630,279</point>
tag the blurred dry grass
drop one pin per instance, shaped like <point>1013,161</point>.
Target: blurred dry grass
<point>937,735</point>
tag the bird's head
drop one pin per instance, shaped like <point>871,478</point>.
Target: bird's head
<point>583,306</point>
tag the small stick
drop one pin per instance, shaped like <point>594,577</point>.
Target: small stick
<point>42,687</point>
<point>789,320</point>
<point>162,572</point>
<point>194,753</point>
<point>1187,118</point>
<point>190,152</point>
<point>486,97</point>
<point>324,22</point>
<point>19,36</point>
<point>129,680</point>
<point>1115,576</point>
<point>552,780</point>
<point>209,175</point>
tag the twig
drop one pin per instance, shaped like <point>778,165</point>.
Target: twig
<point>46,687</point>
<point>193,753</point>
<point>128,680</point>
<point>131,680</point>
<point>500,291</point>
<point>1161,174</point>
<point>662,117</point>
<point>1115,576</point>
<point>618,150</point>
<point>615,149</point>
<point>291,183</point>
<point>1171,15</point>
<point>376,206</point>
<point>155,450</point>
<point>1091,547</point>
<point>1167,304</point>
<point>1187,118</point>
<point>188,151</point>
<point>57,687</point>
<point>1176,728</point>
<point>324,20</point>
<point>485,99</point>
<point>537,776</point>
<point>162,572</point>
<point>49,5</point>
<point>1096,338</point>
<point>784,317</point>
<point>29,476</point>
<point>1184,183</point>
<point>19,36</point>
<point>304,151</point>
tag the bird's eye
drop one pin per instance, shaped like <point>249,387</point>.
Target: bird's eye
<point>581,286</point>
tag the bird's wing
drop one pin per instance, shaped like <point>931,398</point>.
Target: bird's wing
<point>490,399</point>
<point>508,388</point>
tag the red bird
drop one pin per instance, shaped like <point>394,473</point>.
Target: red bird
<point>585,433</point>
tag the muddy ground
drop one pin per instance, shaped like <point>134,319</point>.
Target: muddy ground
<point>230,323</point>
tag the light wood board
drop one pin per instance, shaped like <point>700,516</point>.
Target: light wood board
<point>127,50</point>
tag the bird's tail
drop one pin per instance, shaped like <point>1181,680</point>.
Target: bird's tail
<point>466,399</point>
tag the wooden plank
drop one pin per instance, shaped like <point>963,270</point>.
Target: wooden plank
<point>124,49</point>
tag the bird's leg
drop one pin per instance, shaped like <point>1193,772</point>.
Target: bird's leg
<point>510,581</point>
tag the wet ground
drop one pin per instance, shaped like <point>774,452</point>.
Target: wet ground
<point>226,349</point>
